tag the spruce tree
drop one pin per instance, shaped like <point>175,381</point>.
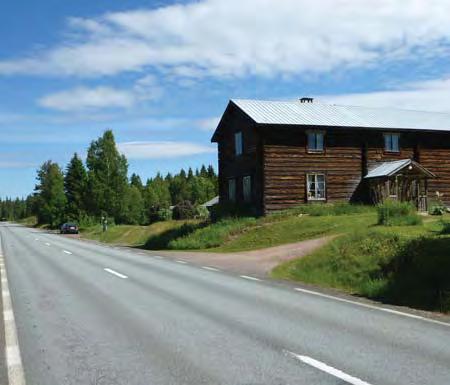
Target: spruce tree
<point>75,185</point>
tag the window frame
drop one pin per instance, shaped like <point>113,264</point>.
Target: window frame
<point>315,198</point>
<point>247,195</point>
<point>232,196</point>
<point>315,133</point>
<point>238,143</point>
<point>390,149</point>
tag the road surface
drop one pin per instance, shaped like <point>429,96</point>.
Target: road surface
<point>92,314</point>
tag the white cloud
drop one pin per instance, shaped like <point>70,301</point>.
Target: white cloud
<point>208,124</point>
<point>83,98</point>
<point>432,95</point>
<point>162,149</point>
<point>241,37</point>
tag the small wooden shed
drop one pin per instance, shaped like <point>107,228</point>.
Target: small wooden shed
<point>404,180</point>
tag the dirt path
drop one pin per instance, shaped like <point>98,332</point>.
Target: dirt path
<point>255,262</point>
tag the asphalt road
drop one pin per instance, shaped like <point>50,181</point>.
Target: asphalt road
<point>90,314</point>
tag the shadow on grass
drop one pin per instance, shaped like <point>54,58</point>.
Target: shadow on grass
<point>419,275</point>
<point>162,241</point>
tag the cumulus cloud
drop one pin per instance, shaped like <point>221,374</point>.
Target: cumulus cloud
<point>245,37</point>
<point>162,149</point>
<point>82,98</point>
<point>432,95</point>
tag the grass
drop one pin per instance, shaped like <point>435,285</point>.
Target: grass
<point>129,235</point>
<point>29,221</point>
<point>241,234</point>
<point>403,265</point>
<point>394,213</point>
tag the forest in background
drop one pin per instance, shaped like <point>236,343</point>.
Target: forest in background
<point>86,191</point>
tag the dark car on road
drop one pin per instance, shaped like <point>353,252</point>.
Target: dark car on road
<point>69,228</point>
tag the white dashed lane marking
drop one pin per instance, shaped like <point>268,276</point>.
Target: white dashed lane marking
<point>249,278</point>
<point>116,273</point>
<point>328,369</point>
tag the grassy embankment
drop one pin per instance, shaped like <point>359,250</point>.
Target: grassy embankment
<point>240,234</point>
<point>402,265</point>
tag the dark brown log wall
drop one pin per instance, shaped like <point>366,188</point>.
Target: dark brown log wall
<point>287,161</point>
<point>249,163</point>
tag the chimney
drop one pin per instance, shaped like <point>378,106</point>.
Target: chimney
<point>306,100</point>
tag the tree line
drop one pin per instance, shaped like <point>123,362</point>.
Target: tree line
<point>99,187</point>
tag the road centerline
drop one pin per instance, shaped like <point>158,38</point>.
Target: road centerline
<point>67,252</point>
<point>116,273</point>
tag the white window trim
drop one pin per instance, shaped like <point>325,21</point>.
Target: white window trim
<point>385,134</point>
<point>323,140</point>
<point>324,186</point>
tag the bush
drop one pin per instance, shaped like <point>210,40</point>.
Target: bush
<point>437,210</point>
<point>164,215</point>
<point>202,212</point>
<point>445,227</point>
<point>394,213</point>
<point>184,210</point>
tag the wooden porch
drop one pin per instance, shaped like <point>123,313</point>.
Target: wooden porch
<point>403,180</point>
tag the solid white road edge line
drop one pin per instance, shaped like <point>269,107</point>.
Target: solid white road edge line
<point>14,365</point>
<point>400,313</point>
<point>210,268</point>
<point>250,278</point>
<point>67,252</point>
<point>117,274</point>
<point>328,369</point>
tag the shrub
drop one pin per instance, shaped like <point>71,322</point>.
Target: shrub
<point>437,210</point>
<point>164,215</point>
<point>394,213</point>
<point>202,212</point>
<point>184,210</point>
<point>445,227</point>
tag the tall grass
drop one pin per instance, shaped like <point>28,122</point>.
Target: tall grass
<point>325,209</point>
<point>384,266</point>
<point>394,213</point>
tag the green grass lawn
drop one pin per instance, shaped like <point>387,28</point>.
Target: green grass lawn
<point>404,265</point>
<point>129,235</point>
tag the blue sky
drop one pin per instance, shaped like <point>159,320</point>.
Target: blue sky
<point>160,73</point>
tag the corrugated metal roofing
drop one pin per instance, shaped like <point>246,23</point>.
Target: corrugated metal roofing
<point>386,169</point>
<point>320,114</point>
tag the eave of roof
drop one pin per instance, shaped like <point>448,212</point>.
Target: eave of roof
<point>388,169</point>
<point>328,115</point>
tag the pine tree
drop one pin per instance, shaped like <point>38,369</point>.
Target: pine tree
<point>135,181</point>
<point>107,177</point>
<point>75,185</point>
<point>50,194</point>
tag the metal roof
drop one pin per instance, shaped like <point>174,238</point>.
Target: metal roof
<point>320,114</point>
<point>387,169</point>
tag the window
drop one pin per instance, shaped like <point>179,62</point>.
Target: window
<point>315,141</point>
<point>391,142</point>
<point>238,143</point>
<point>232,190</point>
<point>316,186</point>
<point>247,188</point>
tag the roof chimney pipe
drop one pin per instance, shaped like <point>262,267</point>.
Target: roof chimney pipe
<point>306,100</point>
